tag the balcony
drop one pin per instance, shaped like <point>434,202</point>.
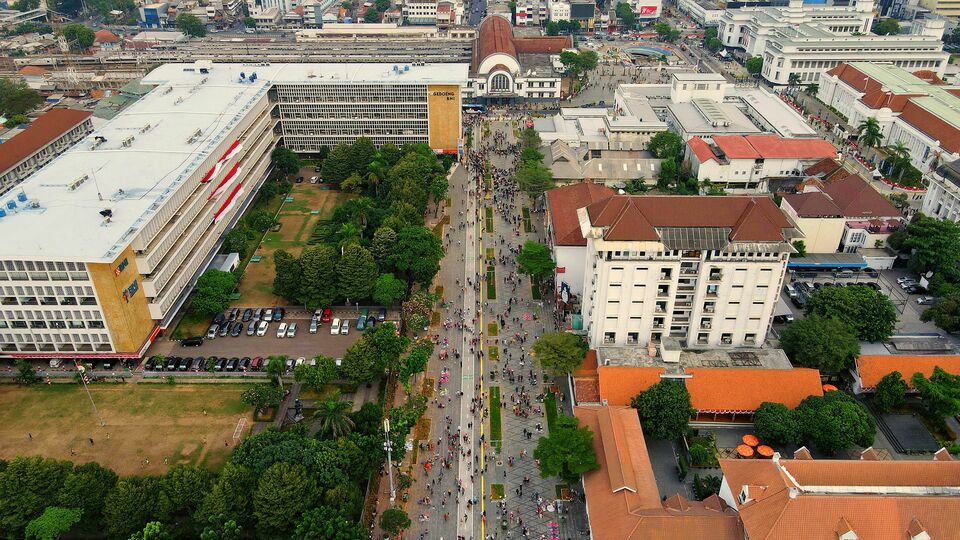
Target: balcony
<point>709,309</point>
<point>716,276</point>
<point>706,324</point>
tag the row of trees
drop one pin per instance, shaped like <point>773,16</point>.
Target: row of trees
<point>555,28</point>
<point>674,177</point>
<point>838,319</point>
<point>933,247</point>
<point>832,422</point>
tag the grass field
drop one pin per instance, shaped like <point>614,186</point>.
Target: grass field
<point>527,224</point>
<point>493,329</point>
<point>535,290</point>
<point>491,282</point>
<point>550,404</point>
<point>488,222</point>
<point>496,492</point>
<point>496,429</point>
<point>166,425</point>
<point>296,225</point>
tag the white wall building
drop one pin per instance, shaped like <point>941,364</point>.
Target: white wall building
<point>705,270</point>
<point>704,12</point>
<point>558,10</point>
<point>808,40</point>
<point>942,199</point>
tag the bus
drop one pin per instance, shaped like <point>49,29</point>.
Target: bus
<point>474,108</point>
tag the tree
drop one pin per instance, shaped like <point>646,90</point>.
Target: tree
<point>328,523</point>
<point>235,241</point>
<point>79,36</point>
<point>870,314</point>
<point>262,396</point>
<point>220,528</point>
<point>533,178</point>
<point>669,172</point>
<point>754,65</point>
<point>664,409</point>
<point>276,365</point>
<point>27,486</point>
<point>85,488</point>
<point>714,44</point>
<point>26,375</point>
<point>153,530</point>
<point>776,424</point>
<point>285,491</point>
<point>191,25</point>
<point>183,489</point>
<point>945,314</point>
<point>793,81</point>
<point>662,29</point>
<point>567,451</point>
<point>939,395</point>
<point>560,352</point>
<point>338,165</point>
<point>286,282</point>
<point>371,16</point>
<point>835,421</point>
<point>249,22</point>
<point>229,498</point>
<point>315,377</point>
<point>357,272</point>
<point>382,245</point>
<point>869,133</point>
<point>27,5</point>
<point>801,248</point>
<point>553,28</point>
<point>333,417</point>
<point>16,97</point>
<point>318,284</point>
<point>666,145</point>
<point>360,363</point>
<point>133,503</point>
<point>626,15</point>
<point>416,254</point>
<point>394,521</point>
<point>886,27</point>
<point>16,120</point>
<point>812,89</point>
<point>382,5</point>
<point>535,261</point>
<point>890,393</point>
<point>935,245</point>
<point>706,486</point>
<point>284,160</point>
<point>260,221</point>
<point>413,363</point>
<point>213,291</point>
<point>825,344</point>
<point>388,290</point>
<point>53,522</point>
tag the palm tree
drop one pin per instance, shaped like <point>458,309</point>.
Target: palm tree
<point>899,156</point>
<point>334,416</point>
<point>812,89</point>
<point>793,82</point>
<point>869,133</point>
<point>349,232</point>
<point>275,366</point>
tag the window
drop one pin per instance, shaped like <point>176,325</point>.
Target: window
<point>633,338</point>
<point>726,338</point>
<point>500,83</point>
<point>609,337</point>
<point>750,338</point>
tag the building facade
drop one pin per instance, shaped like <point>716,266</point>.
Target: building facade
<point>46,138</point>
<point>704,270</point>
<point>808,40</point>
<point>942,199</point>
<point>135,229</point>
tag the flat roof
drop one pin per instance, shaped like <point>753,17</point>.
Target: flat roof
<point>45,129</point>
<point>136,180</point>
<point>828,260</point>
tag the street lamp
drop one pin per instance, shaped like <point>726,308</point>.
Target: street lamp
<point>388,446</point>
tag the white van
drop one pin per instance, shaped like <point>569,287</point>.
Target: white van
<point>282,331</point>
<point>335,327</point>
<point>791,290</point>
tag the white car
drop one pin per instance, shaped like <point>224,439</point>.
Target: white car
<point>282,331</point>
<point>335,327</point>
<point>314,324</point>
<point>292,330</point>
<point>345,328</point>
<point>300,361</point>
<point>262,329</point>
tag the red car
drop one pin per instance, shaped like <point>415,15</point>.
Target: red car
<point>325,317</point>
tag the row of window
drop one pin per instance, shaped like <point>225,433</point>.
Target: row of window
<point>55,338</point>
<point>59,347</point>
<point>48,301</point>
<point>52,314</point>
<point>703,338</point>
<point>46,291</point>
<point>351,92</point>
<point>52,324</point>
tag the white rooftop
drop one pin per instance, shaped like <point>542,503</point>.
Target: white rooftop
<point>164,150</point>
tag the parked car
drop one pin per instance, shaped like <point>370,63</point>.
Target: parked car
<point>258,314</point>
<point>900,280</point>
<point>335,327</point>
<point>218,365</point>
<point>247,315</point>
<point>870,272</point>
<point>909,283</point>
<point>316,169</point>
<point>782,319</point>
<point>192,342</point>
<point>278,314</point>
<point>300,361</point>
<point>345,327</point>
<point>382,314</point>
<point>257,363</point>
<point>262,329</point>
<point>237,329</point>
<point>313,325</point>
<point>292,330</point>
<point>845,274</point>
<point>790,290</point>
<point>926,300</point>
<point>182,366</point>
<point>371,321</point>
<point>268,314</point>
<point>172,362</point>
<point>232,364</point>
<point>361,322</point>
<point>212,332</point>
<point>219,319</point>
<point>325,317</point>
<point>873,285</point>
<point>234,313</point>
<point>915,289</point>
<point>282,331</point>
<point>244,363</point>
<point>224,329</point>
<point>289,364</point>
<point>149,364</point>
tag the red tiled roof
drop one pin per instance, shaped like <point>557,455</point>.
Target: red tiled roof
<point>701,149</point>
<point>857,199</point>
<point>623,498</point>
<point>495,36</point>
<point>812,205</point>
<point>563,203</point>
<point>932,126</point>
<point>793,503</point>
<point>629,217</point>
<point>619,384</point>
<point>48,127</point>
<point>744,389</point>
<point>826,167</point>
<point>929,76</point>
<point>105,36</point>
<point>33,70</point>
<point>542,45</point>
<point>773,147</point>
<point>736,147</point>
<point>872,368</point>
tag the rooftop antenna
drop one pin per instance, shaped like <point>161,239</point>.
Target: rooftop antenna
<point>93,174</point>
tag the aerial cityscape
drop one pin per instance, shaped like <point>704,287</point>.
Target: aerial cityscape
<point>480,269</point>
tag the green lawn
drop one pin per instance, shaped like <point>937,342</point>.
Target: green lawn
<point>496,430</point>
<point>488,222</point>
<point>527,224</point>
<point>535,291</point>
<point>550,404</point>
<point>492,329</point>
<point>496,492</point>
<point>493,352</point>
<point>491,283</point>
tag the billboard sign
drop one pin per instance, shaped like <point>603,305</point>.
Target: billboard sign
<point>648,10</point>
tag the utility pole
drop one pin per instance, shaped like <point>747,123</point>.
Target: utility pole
<point>388,446</point>
<point>83,379</point>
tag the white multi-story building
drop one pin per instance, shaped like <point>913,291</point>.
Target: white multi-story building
<point>704,12</point>
<point>942,199</point>
<point>103,244</point>
<point>46,138</point>
<point>921,113</point>
<point>808,40</point>
<point>704,270</point>
<point>558,10</point>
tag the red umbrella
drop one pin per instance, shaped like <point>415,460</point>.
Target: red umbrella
<point>745,451</point>
<point>750,440</point>
<point>765,451</point>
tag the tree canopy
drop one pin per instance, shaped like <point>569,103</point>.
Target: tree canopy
<point>284,160</point>
<point>935,245</point>
<point>191,25</point>
<point>567,451</point>
<point>835,421</point>
<point>560,352</point>
<point>890,393</point>
<point>939,395</point>
<point>664,409</point>
<point>886,27</point>
<point>776,424</point>
<point>16,98</point>
<point>394,521</point>
<point>870,314</point>
<point>828,345</point>
<point>78,36</point>
<point>536,261</point>
<point>754,65</point>
<point>214,288</point>
<point>534,178</point>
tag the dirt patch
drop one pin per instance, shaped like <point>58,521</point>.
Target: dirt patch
<point>148,427</point>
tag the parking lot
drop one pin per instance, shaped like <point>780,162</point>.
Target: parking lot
<point>302,344</point>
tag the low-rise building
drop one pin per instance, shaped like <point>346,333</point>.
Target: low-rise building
<point>705,270</point>
<point>870,369</point>
<point>47,137</point>
<point>35,77</point>
<point>612,168</point>
<point>803,498</point>
<point>745,163</point>
<point>704,12</point>
<point>558,10</point>
<point>107,40</point>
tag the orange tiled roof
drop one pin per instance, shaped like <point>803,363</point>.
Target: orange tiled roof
<point>872,368</point>
<point>33,70</point>
<point>563,203</point>
<point>813,499</point>
<point>743,389</point>
<point>619,384</point>
<point>48,127</point>
<point>623,499</point>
